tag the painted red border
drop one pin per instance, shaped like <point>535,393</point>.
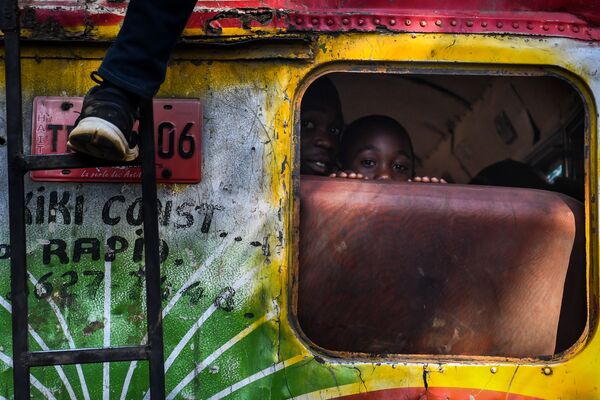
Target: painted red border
<point>579,19</point>
<point>437,393</point>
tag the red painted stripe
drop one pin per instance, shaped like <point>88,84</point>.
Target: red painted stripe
<point>44,20</point>
<point>436,393</point>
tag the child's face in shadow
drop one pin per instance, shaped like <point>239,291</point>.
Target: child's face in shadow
<point>380,154</point>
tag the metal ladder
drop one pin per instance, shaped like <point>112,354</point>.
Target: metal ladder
<point>18,165</point>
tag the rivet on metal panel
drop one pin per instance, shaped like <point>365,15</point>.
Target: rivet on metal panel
<point>547,371</point>
<point>299,21</point>
<point>315,21</point>
<point>545,27</point>
<point>407,22</point>
<point>453,22</point>
<point>376,21</point>
<point>484,23</point>
<point>515,25</point>
<point>166,173</point>
<point>575,28</point>
<point>499,24</point>
<point>438,22</point>
<point>392,21</point>
<point>361,21</point>
<point>469,23</point>
<point>329,22</point>
<point>493,370</point>
<point>561,28</point>
<point>345,21</point>
<point>423,23</point>
<point>529,26</point>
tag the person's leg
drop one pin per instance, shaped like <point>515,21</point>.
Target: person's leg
<point>133,68</point>
<point>137,60</point>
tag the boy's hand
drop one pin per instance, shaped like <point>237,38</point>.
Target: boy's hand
<point>347,175</point>
<point>426,179</point>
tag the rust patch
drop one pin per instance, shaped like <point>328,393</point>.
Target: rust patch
<point>245,17</point>
<point>93,327</point>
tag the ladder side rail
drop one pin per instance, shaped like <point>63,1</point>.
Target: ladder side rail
<point>16,199</point>
<point>151,253</point>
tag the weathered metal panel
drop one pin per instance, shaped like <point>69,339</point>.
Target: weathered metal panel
<point>75,19</point>
<point>230,262</point>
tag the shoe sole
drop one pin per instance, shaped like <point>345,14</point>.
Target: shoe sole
<point>101,139</point>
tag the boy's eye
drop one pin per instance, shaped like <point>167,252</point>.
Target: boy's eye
<point>400,168</point>
<point>367,163</point>
<point>307,125</point>
<point>335,131</point>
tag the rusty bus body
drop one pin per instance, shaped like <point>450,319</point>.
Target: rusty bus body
<point>229,225</point>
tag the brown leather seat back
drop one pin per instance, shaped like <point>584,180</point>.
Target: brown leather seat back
<point>439,269</point>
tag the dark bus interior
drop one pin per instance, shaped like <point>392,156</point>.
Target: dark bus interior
<point>491,263</point>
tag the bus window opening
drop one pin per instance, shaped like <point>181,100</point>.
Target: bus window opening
<point>442,214</point>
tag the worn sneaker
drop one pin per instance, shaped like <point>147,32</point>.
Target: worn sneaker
<point>104,127</point>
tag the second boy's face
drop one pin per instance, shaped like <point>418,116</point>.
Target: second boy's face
<point>381,155</point>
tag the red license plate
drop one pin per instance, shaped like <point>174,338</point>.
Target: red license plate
<point>177,130</point>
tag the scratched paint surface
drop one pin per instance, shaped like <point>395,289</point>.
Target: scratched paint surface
<point>230,241</point>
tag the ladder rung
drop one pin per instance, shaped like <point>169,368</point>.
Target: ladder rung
<point>86,356</point>
<point>66,161</point>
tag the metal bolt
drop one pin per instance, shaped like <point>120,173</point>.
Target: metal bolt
<point>438,22</point>
<point>392,22</point>
<point>166,173</point>
<point>575,28</point>
<point>499,24</point>
<point>545,27</point>
<point>453,22</point>
<point>423,23</point>
<point>299,21</point>
<point>361,21</point>
<point>329,22</point>
<point>515,25</point>
<point>376,21</point>
<point>561,28</point>
<point>345,21</point>
<point>315,21</point>
<point>407,22</point>
<point>493,370</point>
<point>484,23</point>
<point>547,371</point>
<point>469,23</point>
<point>529,26</point>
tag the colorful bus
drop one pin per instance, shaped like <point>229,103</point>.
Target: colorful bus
<point>276,283</point>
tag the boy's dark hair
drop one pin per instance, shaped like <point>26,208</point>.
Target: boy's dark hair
<point>319,91</point>
<point>364,124</point>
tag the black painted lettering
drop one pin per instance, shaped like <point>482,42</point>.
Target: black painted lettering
<point>138,250</point>
<point>4,251</point>
<point>115,245</point>
<point>182,212</point>
<point>54,137</point>
<point>59,206</point>
<point>28,217</point>
<point>89,246</point>
<point>94,285</point>
<point>187,138</point>
<point>79,210</point>
<point>106,218</point>
<point>40,205</point>
<point>55,247</point>
<point>134,214</point>
<point>166,152</point>
<point>208,216</point>
<point>164,216</point>
<point>72,280</point>
<point>43,288</point>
